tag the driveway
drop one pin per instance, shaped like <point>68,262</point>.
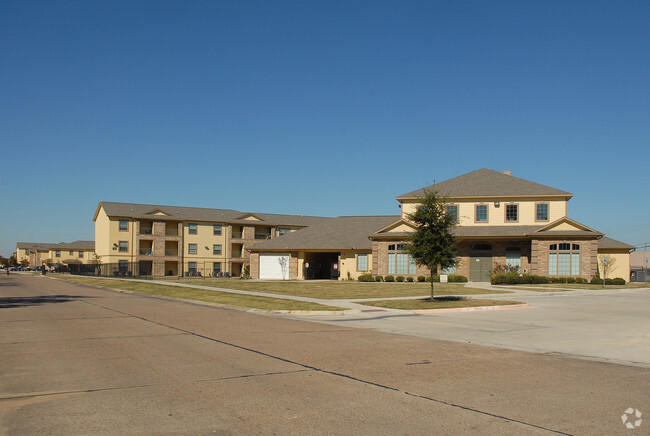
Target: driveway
<point>609,325</point>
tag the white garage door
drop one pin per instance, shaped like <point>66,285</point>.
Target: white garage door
<point>274,266</point>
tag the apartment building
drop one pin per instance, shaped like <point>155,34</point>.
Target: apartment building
<point>63,253</point>
<point>159,241</point>
<point>502,220</point>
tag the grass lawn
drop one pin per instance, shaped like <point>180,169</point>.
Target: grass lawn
<point>249,301</point>
<point>558,287</point>
<point>439,303</point>
<point>333,290</point>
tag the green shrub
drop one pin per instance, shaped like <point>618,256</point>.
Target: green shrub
<point>580,280</point>
<point>538,280</point>
<point>379,279</point>
<point>436,278</point>
<point>389,279</point>
<point>399,279</point>
<point>558,279</point>
<point>421,279</point>
<point>366,278</point>
<point>456,278</point>
<point>516,279</point>
<point>596,281</point>
<point>409,279</point>
<point>617,281</point>
<point>570,279</point>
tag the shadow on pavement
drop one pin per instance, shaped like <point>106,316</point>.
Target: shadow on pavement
<point>10,302</point>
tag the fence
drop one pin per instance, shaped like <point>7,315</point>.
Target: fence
<point>144,270</point>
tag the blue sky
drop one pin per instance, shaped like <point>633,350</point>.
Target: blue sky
<point>317,108</point>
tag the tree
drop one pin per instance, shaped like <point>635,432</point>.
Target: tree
<point>432,244</point>
<point>606,265</point>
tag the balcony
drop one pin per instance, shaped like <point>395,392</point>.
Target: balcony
<point>262,236</point>
<point>171,252</point>
<point>236,254</point>
<point>146,230</point>
<point>146,252</point>
<point>237,235</point>
<point>171,231</point>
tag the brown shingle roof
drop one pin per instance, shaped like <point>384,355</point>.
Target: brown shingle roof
<point>486,183</point>
<point>609,243</point>
<point>178,213</point>
<point>342,233</point>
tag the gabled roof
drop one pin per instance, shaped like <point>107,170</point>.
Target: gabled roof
<point>487,183</point>
<point>178,213</point>
<point>76,245</point>
<point>342,233</point>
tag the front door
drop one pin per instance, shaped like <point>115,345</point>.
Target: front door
<point>480,268</point>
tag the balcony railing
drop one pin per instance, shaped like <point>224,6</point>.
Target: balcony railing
<point>146,251</point>
<point>171,232</point>
<point>262,236</point>
<point>236,254</point>
<point>171,252</point>
<point>146,230</point>
<point>237,235</point>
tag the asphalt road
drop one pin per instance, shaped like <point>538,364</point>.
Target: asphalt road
<point>82,360</point>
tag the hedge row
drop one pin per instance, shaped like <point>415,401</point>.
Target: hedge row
<point>527,279</point>
<point>452,278</point>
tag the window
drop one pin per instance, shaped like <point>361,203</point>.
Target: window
<point>191,249</point>
<point>71,253</point>
<point>191,229</point>
<point>362,262</point>
<point>124,226</point>
<point>216,229</point>
<point>400,263</point>
<point>450,270</point>
<point>452,211</point>
<point>124,246</point>
<point>512,214</point>
<point>191,268</point>
<point>57,253</point>
<point>513,259</point>
<point>541,213</point>
<point>216,269</point>
<point>283,231</point>
<point>216,249</point>
<point>481,213</point>
<point>81,254</point>
<point>564,259</point>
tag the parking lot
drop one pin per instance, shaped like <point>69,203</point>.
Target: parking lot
<point>600,324</point>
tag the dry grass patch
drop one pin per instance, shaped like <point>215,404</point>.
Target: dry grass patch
<point>211,296</point>
<point>439,303</point>
<point>560,287</point>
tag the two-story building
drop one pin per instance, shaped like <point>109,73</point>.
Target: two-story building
<point>502,220</point>
<point>158,241</point>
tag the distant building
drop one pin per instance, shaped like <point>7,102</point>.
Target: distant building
<point>63,253</point>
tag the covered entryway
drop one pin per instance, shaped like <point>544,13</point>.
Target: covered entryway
<point>321,266</point>
<point>274,266</point>
<point>480,263</point>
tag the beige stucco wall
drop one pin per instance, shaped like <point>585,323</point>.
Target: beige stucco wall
<point>203,238</point>
<point>496,215</point>
<point>348,264</point>
<point>108,233</point>
<point>621,266</point>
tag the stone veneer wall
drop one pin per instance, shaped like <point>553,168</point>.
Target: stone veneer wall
<point>588,256</point>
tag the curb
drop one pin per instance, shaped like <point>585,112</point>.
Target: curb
<point>471,309</point>
<point>304,312</point>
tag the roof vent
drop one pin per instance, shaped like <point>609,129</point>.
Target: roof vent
<point>507,173</point>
